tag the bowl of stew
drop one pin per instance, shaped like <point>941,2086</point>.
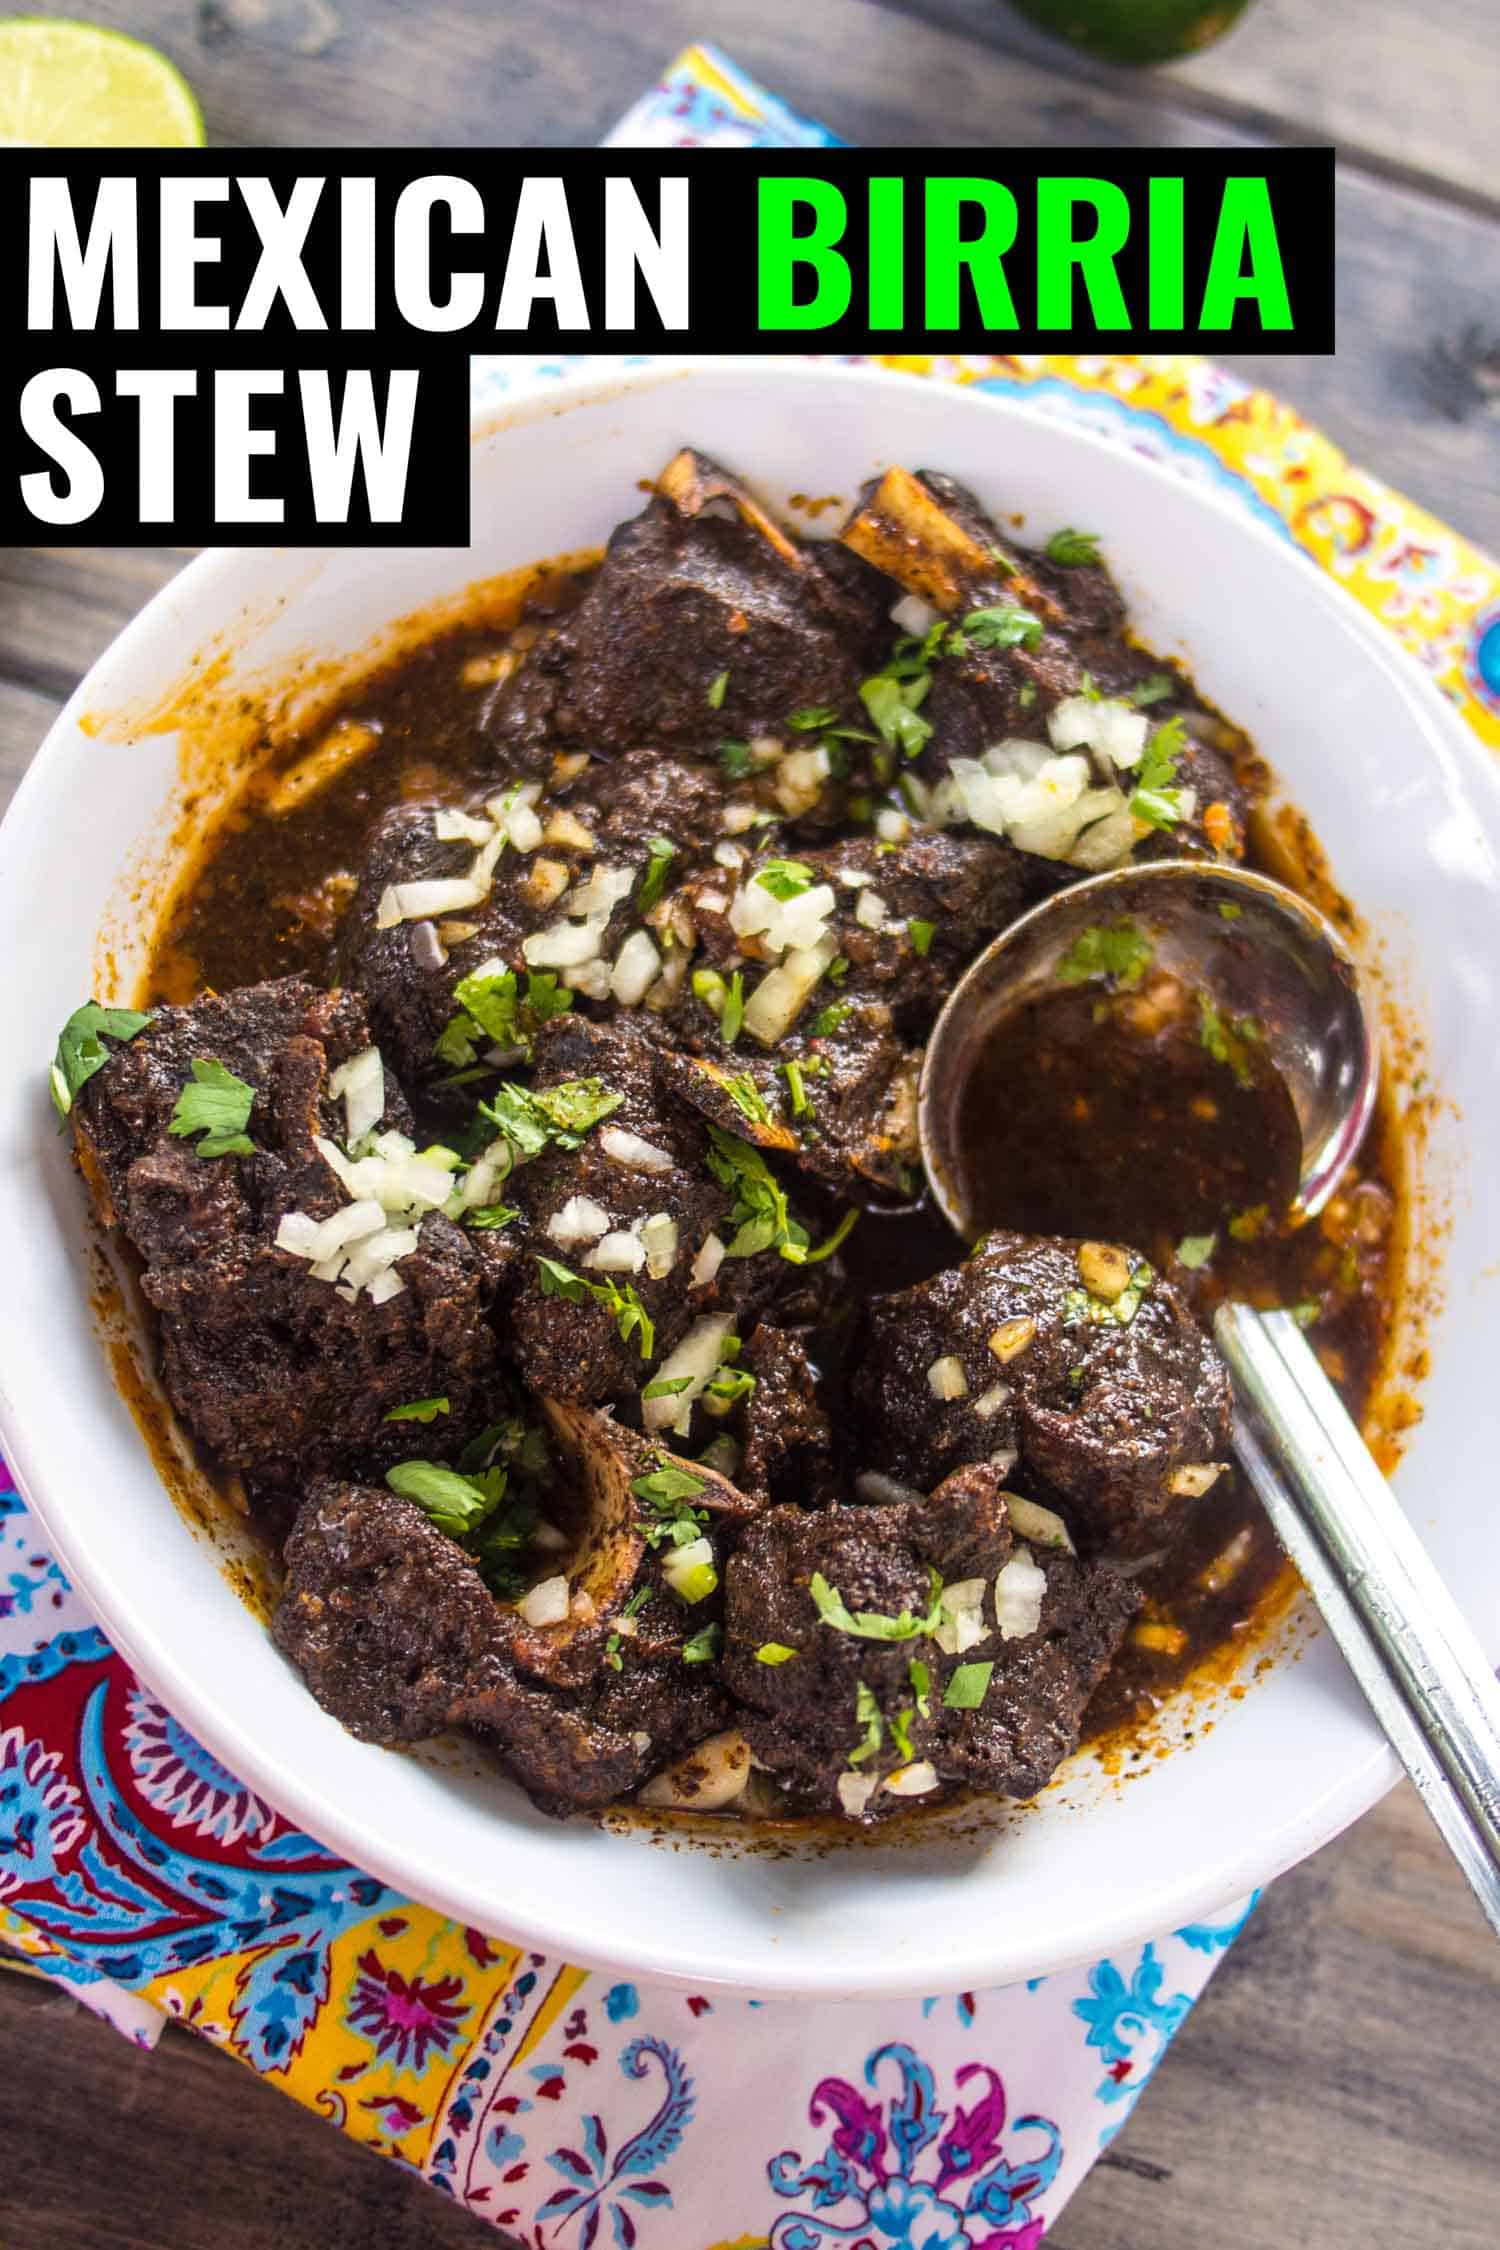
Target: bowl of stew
<point>482,1342</point>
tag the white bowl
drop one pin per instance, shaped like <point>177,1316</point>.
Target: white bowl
<point>1409,808</point>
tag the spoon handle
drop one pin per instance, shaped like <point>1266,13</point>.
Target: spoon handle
<point>1406,1641</point>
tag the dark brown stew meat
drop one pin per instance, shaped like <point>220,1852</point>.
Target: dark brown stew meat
<point>518,1147</point>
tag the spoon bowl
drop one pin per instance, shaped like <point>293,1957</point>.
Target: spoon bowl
<point>1248,944</point>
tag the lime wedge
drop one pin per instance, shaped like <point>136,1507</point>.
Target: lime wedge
<point>76,85</point>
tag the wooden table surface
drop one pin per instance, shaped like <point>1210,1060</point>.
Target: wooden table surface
<point>1339,2086</point>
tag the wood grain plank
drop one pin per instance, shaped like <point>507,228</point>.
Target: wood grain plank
<point>1339,2083</point>
<point>60,607</point>
<point>1290,72</point>
<point>25,715</point>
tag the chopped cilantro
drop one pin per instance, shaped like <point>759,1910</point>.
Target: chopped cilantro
<point>732,1014</point>
<point>1073,549</point>
<point>217,1105</point>
<point>1155,799</point>
<point>869,1624</point>
<point>490,1217</point>
<point>745,1094</point>
<point>761,1215</point>
<point>921,935</point>
<point>921,1684</point>
<point>837,969</point>
<point>1305,1313</point>
<point>1006,625</point>
<point>81,1050</point>
<point>827,1020</point>
<point>1026,694</point>
<point>668,1386</point>
<point>785,878</point>
<point>456,1503</point>
<point>1245,1225</point>
<point>894,708</point>
<point>801,1106</point>
<point>533,1118</point>
<point>867,1713</point>
<point>612,1656</point>
<point>1151,689</point>
<point>666,1491</point>
<point>493,1009</point>
<point>901,1741</point>
<point>1229,913</point>
<point>704,1645</point>
<point>728,1385</point>
<point>967,1688</point>
<point>1118,950</point>
<point>1098,1312</point>
<point>774,1652</point>
<point>811,718</point>
<point>1195,1250</point>
<point>663,851</point>
<point>718,688</point>
<point>734,759</point>
<point>420,1410</point>
<point>619,1298</point>
<point>1226,1037</point>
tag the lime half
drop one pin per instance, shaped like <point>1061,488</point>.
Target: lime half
<point>76,85</point>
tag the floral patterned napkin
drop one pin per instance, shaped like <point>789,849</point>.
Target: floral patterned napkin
<point>572,2108</point>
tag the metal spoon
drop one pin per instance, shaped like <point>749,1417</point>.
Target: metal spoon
<point>1274,957</point>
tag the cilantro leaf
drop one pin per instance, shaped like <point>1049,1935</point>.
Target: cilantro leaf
<point>921,935</point>
<point>1100,1312</point>
<point>869,1624</point>
<point>867,1713</point>
<point>1195,1250</point>
<point>734,759</point>
<point>893,705</point>
<point>81,1050</point>
<point>663,851</point>
<point>967,1687</point>
<point>216,1104</point>
<point>1118,950</point>
<point>827,1021</point>
<point>921,1684</point>
<point>704,1645</point>
<point>619,1298</point>
<point>744,1093</point>
<point>420,1410</point>
<point>492,1008</point>
<point>1227,1037</point>
<point>1156,799</point>
<point>774,1652</point>
<point>785,878</point>
<point>718,688</point>
<point>667,1491</point>
<point>1006,625</point>
<point>732,1014</point>
<point>456,1503</point>
<point>533,1118</point>
<point>1151,689</point>
<point>1073,549</point>
<point>488,1217</point>
<point>761,1214</point>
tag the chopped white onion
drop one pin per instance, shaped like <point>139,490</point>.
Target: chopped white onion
<point>298,1233</point>
<point>580,1219</point>
<point>1112,729</point>
<point>989,1403</point>
<point>916,1780</point>
<point>871,911</point>
<point>546,880</point>
<point>620,1252</point>
<point>783,992</point>
<point>735,819</point>
<point>450,826</point>
<point>713,1774</point>
<point>418,902</point>
<point>601,892</point>
<point>1018,1597</point>
<point>855,1791</point>
<point>629,1148</point>
<point>427,948</point>
<point>710,1257</point>
<point>680,1566</point>
<point>912,615</point>
<point>1107,843</point>
<point>892,825</point>
<point>1194,1478</point>
<point>694,1362</point>
<point>564,945</point>
<point>565,830</point>
<point>1043,1526</point>
<point>962,1606</point>
<point>547,1603</point>
<point>946,1378</point>
<point>385,1286</point>
<point>782,924</point>
<point>729,855</point>
<point>799,781</point>
<point>347,1225</point>
<point>887,1492</point>
<point>361,1081</point>
<point>637,965</point>
<point>659,1236</point>
<point>591,978</point>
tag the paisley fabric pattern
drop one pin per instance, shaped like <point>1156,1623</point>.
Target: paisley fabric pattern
<point>568,2108</point>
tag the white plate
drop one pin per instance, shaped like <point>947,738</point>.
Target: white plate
<point>1409,808</point>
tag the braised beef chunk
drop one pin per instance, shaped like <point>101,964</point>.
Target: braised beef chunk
<point>699,584</point>
<point>283,1040</point>
<point>279,1374</point>
<point>1118,1404</point>
<point>788,1446</point>
<point>616,1222</point>
<point>887,1612</point>
<point>387,1619</point>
